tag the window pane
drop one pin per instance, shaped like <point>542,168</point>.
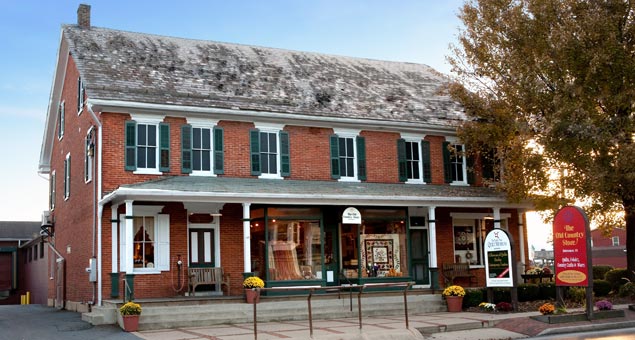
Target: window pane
<point>349,167</point>
<point>384,247</point>
<point>264,164</point>
<point>294,250</point>
<point>273,168</point>
<point>141,134</point>
<point>152,135</point>
<point>206,161</point>
<point>273,143</point>
<point>264,143</point>
<point>141,157</point>
<point>152,158</point>
<point>196,139</point>
<point>349,147</point>
<point>207,141</point>
<point>196,160</point>
<point>342,142</point>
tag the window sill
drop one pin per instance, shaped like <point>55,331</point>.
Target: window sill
<point>464,184</point>
<point>147,172</point>
<point>143,272</point>
<point>270,176</point>
<point>348,179</point>
<point>411,181</point>
<point>203,174</point>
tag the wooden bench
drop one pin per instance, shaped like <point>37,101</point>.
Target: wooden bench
<point>452,271</point>
<point>207,276</point>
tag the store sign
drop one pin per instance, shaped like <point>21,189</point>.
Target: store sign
<point>570,247</point>
<point>498,259</point>
<point>351,216</point>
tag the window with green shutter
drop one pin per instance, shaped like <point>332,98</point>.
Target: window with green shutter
<point>131,146</point>
<point>426,167</point>
<point>361,158</point>
<point>186,149</point>
<point>454,163</point>
<point>335,157</point>
<point>270,156</point>
<point>219,153</point>
<point>401,160</point>
<point>348,157</point>
<point>164,147</point>
<point>254,147</point>
<point>147,147</point>
<point>285,158</point>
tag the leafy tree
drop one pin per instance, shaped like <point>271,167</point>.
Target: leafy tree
<point>550,86</point>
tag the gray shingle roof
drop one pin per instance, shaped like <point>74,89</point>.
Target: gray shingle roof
<point>223,189</point>
<point>12,230</point>
<point>119,65</point>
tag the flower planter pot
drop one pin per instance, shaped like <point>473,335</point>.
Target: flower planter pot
<point>252,296</point>
<point>455,303</point>
<point>130,323</point>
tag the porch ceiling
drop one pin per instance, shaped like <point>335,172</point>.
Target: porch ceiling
<point>272,191</point>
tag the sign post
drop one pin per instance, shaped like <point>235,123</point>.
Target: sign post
<point>571,251</point>
<point>499,263</point>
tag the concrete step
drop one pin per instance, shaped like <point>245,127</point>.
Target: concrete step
<point>161,317</point>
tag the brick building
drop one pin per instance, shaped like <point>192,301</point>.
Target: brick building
<point>609,250</point>
<point>163,149</point>
<point>20,249</point>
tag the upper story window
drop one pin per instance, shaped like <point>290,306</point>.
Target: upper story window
<point>80,95</point>
<point>454,163</point>
<point>61,119</point>
<point>89,152</point>
<point>269,149</point>
<point>52,191</point>
<point>67,176</point>
<point>348,156</point>
<point>413,155</point>
<point>615,240</point>
<point>202,148</point>
<point>147,146</point>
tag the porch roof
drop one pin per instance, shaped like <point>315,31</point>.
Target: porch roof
<point>296,192</point>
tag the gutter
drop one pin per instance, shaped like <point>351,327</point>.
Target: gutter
<point>97,205</point>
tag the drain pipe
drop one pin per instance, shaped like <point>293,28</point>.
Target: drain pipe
<point>99,207</point>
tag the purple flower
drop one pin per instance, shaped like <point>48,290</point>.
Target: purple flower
<point>603,305</point>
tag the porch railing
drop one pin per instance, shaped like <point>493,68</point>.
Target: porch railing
<point>311,289</point>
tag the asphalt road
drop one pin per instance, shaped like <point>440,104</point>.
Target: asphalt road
<point>35,322</point>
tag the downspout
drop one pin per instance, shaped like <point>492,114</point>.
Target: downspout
<point>97,206</point>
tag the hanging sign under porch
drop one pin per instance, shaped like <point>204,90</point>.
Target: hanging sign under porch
<point>351,216</point>
<point>498,259</point>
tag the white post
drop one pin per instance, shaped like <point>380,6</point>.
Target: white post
<point>521,237</point>
<point>497,217</point>
<point>128,260</point>
<point>432,228</point>
<point>114,231</point>
<point>246,238</point>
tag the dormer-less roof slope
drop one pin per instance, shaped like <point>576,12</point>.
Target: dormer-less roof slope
<point>18,230</point>
<point>145,68</point>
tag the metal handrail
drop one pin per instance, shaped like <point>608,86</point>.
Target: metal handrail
<point>311,289</point>
<point>127,292</point>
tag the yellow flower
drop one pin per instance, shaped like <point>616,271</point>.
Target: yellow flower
<point>130,308</point>
<point>546,308</point>
<point>454,291</point>
<point>253,282</point>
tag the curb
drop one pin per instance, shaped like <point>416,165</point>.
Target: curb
<point>587,328</point>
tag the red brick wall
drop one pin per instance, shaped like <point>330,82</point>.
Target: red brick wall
<point>381,156</point>
<point>237,156</point>
<point>310,153</point>
<point>436,158</point>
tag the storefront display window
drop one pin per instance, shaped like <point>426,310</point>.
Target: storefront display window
<point>383,249</point>
<point>294,250</point>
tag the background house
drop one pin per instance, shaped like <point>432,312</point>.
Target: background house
<point>609,250</point>
<point>15,256</point>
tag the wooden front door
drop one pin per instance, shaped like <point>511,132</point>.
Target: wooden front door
<point>202,252</point>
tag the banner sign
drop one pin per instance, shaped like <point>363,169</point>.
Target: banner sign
<point>571,239</point>
<point>498,259</point>
<point>351,216</point>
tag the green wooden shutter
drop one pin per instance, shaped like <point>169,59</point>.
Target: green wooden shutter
<point>488,164</point>
<point>447,167</point>
<point>470,170</point>
<point>164,147</point>
<point>254,139</point>
<point>186,149</point>
<point>425,161</point>
<point>361,158</point>
<point>131,146</point>
<point>285,159</point>
<point>219,155</point>
<point>401,160</point>
<point>335,157</point>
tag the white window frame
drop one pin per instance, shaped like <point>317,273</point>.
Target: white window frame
<point>415,139</point>
<point>67,176</point>
<point>162,261</point>
<point>52,191</point>
<point>89,154</point>
<point>61,114</point>
<point>349,133</point>
<point>148,120</point>
<point>615,240</point>
<point>203,124</point>
<point>80,95</point>
<point>463,219</point>
<point>455,142</point>
<point>275,129</point>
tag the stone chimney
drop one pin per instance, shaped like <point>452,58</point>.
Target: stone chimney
<point>83,16</point>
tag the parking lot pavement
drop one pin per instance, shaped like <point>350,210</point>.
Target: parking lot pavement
<point>35,322</point>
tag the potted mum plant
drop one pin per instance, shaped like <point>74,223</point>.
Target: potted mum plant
<point>251,293</point>
<point>130,312</point>
<point>454,297</point>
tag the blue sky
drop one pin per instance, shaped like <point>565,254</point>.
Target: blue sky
<point>418,31</point>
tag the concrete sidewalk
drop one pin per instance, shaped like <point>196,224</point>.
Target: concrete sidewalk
<point>444,325</point>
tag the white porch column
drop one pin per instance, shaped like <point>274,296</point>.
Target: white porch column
<point>246,238</point>
<point>127,259</point>
<point>521,237</point>
<point>497,217</point>
<point>114,231</point>
<point>432,227</point>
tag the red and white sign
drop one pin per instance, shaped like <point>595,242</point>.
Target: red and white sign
<point>570,247</point>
